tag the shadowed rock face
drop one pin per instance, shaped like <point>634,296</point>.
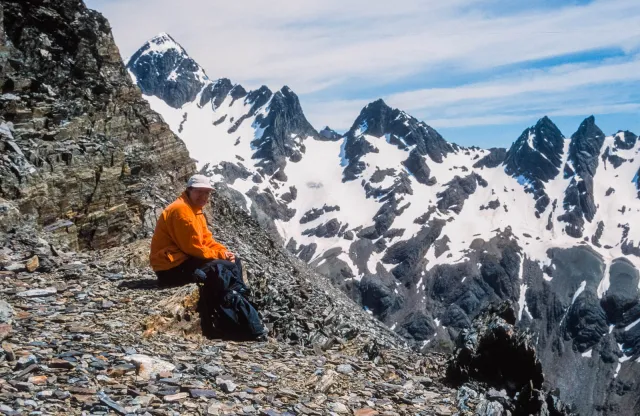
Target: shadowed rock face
<point>627,142</point>
<point>622,296</point>
<point>581,167</point>
<point>458,190</point>
<point>87,158</point>
<point>494,352</point>
<point>216,93</point>
<point>536,157</point>
<point>286,128</point>
<point>163,69</point>
<point>494,159</point>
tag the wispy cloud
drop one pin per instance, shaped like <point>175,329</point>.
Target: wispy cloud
<point>347,50</point>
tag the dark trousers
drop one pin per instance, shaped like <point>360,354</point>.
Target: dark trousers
<point>182,274</point>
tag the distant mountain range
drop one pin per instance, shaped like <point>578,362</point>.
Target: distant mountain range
<point>425,233</point>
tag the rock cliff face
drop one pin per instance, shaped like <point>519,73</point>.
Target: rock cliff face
<point>83,154</point>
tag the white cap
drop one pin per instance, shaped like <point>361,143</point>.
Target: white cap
<point>199,181</point>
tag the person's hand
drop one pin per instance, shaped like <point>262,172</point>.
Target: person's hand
<point>230,256</point>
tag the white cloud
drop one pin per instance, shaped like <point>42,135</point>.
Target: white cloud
<point>558,79</point>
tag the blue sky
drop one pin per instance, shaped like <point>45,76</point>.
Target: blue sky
<point>479,71</point>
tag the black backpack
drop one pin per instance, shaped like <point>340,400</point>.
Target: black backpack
<point>224,309</point>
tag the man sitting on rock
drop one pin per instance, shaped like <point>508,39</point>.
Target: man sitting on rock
<point>181,241</point>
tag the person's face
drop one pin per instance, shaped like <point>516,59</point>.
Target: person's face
<point>199,196</point>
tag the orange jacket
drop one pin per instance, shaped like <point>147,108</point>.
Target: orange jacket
<point>181,232</point>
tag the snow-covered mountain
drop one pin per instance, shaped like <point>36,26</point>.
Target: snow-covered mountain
<point>425,233</point>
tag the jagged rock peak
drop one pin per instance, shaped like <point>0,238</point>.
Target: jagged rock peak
<point>378,119</point>
<point>286,127</point>
<point>537,154</point>
<point>585,147</point>
<point>285,110</point>
<point>216,92</point>
<point>164,69</point>
<point>161,43</point>
<point>373,119</point>
<point>328,133</point>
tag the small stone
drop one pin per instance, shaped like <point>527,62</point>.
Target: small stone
<point>129,350</point>
<point>111,404</point>
<point>210,370</point>
<point>22,386</point>
<point>14,267</point>
<point>6,409</point>
<point>144,401</point>
<point>425,381</point>
<point>195,393</point>
<point>430,395</point>
<point>344,369</point>
<point>61,394</point>
<point>81,390</point>
<point>6,312</point>
<point>8,352</point>
<point>35,293</point>
<point>366,411</point>
<point>44,394</point>
<point>338,407</point>
<point>30,403</point>
<point>106,304</point>
<point>326,382</point>
<point>442,411</point>
<point>5,331</point>
<point>32,264</point>
<point>38,380</point>
<point>57,363</point>
<point>190,405</point>
<point>149,367</point>
<point>25,362</point>
<point>226,386</point>
<point>214,408</point>
<point>176,397</point>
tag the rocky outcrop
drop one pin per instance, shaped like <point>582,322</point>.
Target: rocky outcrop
<point>458,191</point>
<point>495,158</point>
<point>417,166</point>
<point>535,158</point>
<point>625,140</point>
<point>85,156</point>
<point>501,357</point>
<point>581,166</point>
